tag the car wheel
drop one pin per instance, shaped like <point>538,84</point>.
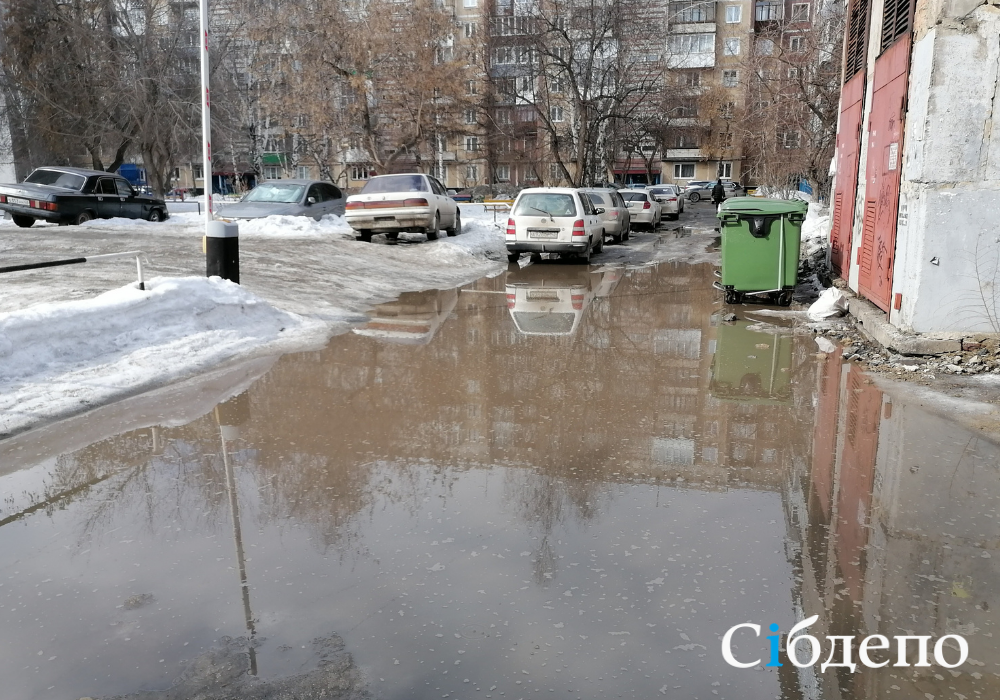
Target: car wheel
<point>694,197</point>
<point>23,221</point>
<point>157,215</point>
<point>83,217</point>
<point>599,248</point>
<point>457,228</point>
<point>432,232</point>
<point>513,257</point>
<point>628,231</point>
<point>365,235</point>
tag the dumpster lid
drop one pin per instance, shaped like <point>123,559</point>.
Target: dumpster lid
<point>762,206</point>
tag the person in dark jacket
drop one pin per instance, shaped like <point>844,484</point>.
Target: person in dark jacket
<point>718,192</point>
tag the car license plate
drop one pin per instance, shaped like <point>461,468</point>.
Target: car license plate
<point>542,233</point>
<point>385,218</point>
<point>18,200</point>
<point>543,295</point>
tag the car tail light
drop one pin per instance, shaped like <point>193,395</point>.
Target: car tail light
<point>671,199</point>
<point>647,205</point>
<point>3,199</point>
<point>415,202</point>
<point>511,300</point>
<point>47,206</point>
<point>354,205</point>
<point>577,300</point>
<point>614,214</point>
<point>511,228</point>
<point>578,228</point>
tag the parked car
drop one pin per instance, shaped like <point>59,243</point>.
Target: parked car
<point>642,206</point>
<point>670,198</point>
<point>551,300</point>
<point>696,191</point>
<point>392,204</point>
<point>559,220</point>
<point>312,198</point>
<point>616,220</point>
<point>412,319</point>
<point>74,195</point>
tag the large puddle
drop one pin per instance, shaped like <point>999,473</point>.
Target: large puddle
<point>559,482</point>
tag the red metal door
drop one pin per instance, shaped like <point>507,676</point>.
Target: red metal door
<point>885,127</point>
<point>848,144</point>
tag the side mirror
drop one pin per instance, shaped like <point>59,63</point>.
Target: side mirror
<point>599,210</point>
<point>310,201</point>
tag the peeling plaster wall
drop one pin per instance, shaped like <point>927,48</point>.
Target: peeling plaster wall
<point>950,189</point>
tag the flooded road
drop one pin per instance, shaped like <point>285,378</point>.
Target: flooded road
<point>560,482</point>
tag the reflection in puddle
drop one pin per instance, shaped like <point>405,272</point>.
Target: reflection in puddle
<point>450,503</point>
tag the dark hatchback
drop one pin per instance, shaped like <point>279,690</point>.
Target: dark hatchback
<point>74,195</point>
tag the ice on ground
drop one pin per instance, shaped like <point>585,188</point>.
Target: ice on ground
<point>60,358</point>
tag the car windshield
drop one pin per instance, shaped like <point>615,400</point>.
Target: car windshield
<point>395,183</point>
<point>634,196</point>
<point>56,178</point>
<point>275,192</point>
<point>551,203</point>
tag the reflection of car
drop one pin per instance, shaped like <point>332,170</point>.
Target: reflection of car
<point>670,199</point>
<point>697,191</point>
<point>74,195</point>
<point>311,198</point>
<point>391,204</point>
<point>554,220</point>
<point>412,319</point>
<point>642,206</point>
<point>551,299</point>
<point>615,219</point>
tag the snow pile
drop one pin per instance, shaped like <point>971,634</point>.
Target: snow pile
<point>814,266</point>
<point>294,227</point>
<point>815,230</point>
<point>56,359</point>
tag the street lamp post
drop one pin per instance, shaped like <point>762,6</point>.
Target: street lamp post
<point>222,241</point>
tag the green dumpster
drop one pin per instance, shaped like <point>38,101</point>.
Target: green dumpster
<point>751,366</point>
<point>760,247</point>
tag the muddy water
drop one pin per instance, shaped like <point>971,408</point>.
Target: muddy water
<point>559,482</point>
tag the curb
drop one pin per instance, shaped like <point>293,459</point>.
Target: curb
<point>872,321</point>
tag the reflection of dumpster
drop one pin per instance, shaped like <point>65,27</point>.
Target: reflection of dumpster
<point>751,366</point>
<point>413,319</point>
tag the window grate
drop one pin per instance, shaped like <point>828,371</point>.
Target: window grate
<point>896,21</point>
<point>857,38</point>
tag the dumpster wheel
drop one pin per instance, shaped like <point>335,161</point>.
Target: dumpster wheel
<point>731,296</point>
<point>784,297</point>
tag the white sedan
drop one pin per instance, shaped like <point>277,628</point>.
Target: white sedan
<point>642,206</point>
<point>391,204</point>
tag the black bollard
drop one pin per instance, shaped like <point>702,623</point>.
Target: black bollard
<point>222,251</point>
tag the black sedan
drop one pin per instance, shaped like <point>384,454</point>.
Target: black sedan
<point>74,195</point>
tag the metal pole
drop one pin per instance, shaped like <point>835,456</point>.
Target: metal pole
<point>206,116</point>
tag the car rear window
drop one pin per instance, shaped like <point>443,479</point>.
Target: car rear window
<point>395,183</point>
<point>539,322</point>
<point>550,203</point>
<point>634,196</point>
<point>56,178</point>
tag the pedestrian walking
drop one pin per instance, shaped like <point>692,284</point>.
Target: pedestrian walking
<point>718,193</point>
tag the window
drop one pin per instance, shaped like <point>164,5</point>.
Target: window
<point>503,173</point>
<point>765,47</point>
<point>470,30</point>
<point>299,121</point>
<point>468,3</point>
<point>471,88</point>
<point>525,114</point>
<point>797,43</point>
<point>689,78</point>
<point>730,78</point>
<point>523,54</point>
<point>556,114</point>
<point>560,53</point>
<point>359,172</point>
<point>727,109</point>
<point>441,142</point>
<point>525,85</point>
<point>790,139</point>
<point>692,11</point>
<point>769,10</point>
<point>470,116</point>
<point>302,172</point>
<point>503,55</point>
<point>794,72</point>
<point>725,169</point>
<point>692,43</point>
<point>557,85</point>
<point>472,143</point>
<point>683,170</point>
<point>503,116</point>
<point>726,139</point>
<point>686,109</point>
<point>271,172</point>
<point>197,171</point>
<point>800,12</point>
<point>555,172</point>
<point>439,171</point>
<point>684,140</point>
<point>472,172</point>
<point>734,14</point>
<point>731,47</point>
